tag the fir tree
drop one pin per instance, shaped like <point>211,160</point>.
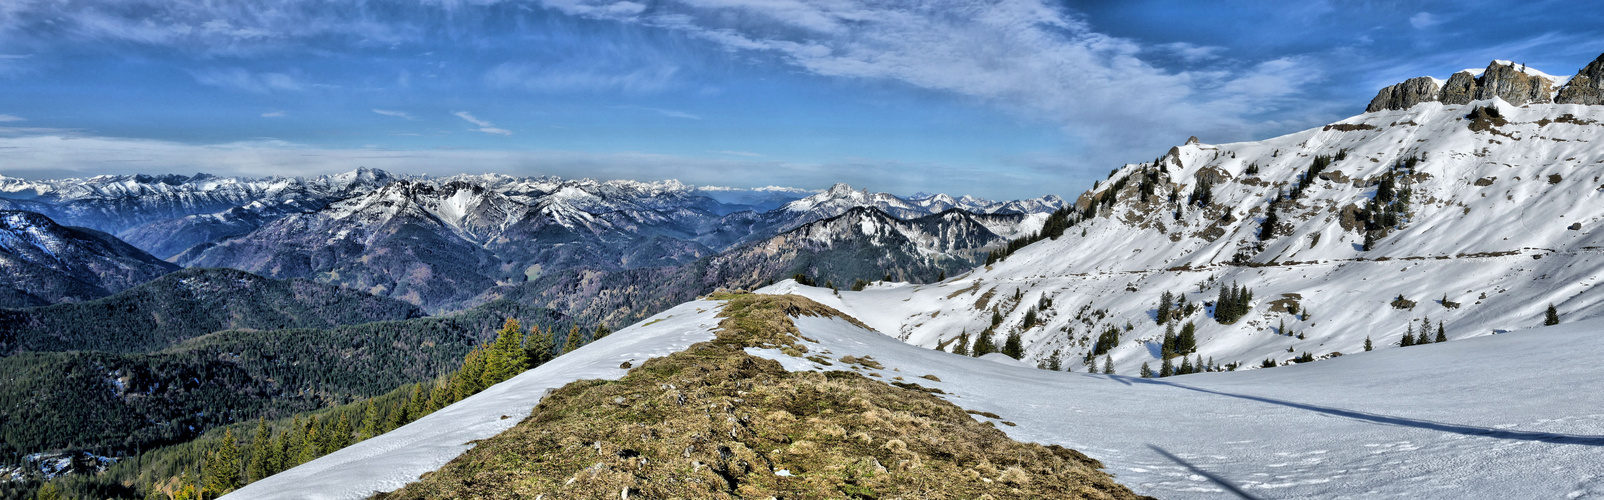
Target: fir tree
<point>1267,230</point>
<point>983,345</point>
<point>1166,369</point>
<point>1186,366</point>
<point>574,341</point>
<point>1014,346</point>
<point>1186,342</point>
<point>261,457</point>
<point>1408,338</point>
<point>538,347</point>
<point>1147,372</point>
<point>996,318</point>
<point>601,332</point>
<point>1164,301</point>
<point>1551,317</point>
<point>962,347</point>
<point>222,466</point>
<point>1108,365</point>
<point>1368,346</point>
<point>1442,334</point>
<point>1167,349</point>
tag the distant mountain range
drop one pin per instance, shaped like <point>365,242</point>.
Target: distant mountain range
<point>441,243</point>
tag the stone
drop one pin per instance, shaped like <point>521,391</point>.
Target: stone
<point>1509,83</point>
<point>1587,87</point>
<point>1405,95</point>
<point>1460,89</point>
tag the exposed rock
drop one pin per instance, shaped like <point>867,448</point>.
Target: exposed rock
<point>1512,85</point>
<point>1405,95</point>
<point>1460,89</point>
<point>1192,141</point>
<point>1587,87</point>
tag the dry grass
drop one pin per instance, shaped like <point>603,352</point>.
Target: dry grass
<point>714,422</point>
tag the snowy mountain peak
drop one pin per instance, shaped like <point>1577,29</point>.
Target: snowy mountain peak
<point>1515,83</point>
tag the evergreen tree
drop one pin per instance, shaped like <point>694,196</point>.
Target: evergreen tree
<point>1147,372</point>
<point>1014,346</point>
<point>996,318</point>
<point>1551,317</point>
<point>1368,346</point>
<point>1164,301</point>
<point>311,442</point>
<point>1267,230</point>
<point>222,466</point>
<point>1167,349</point>
<point>261,456</point>
<point>1166,369</point>
<point>983,345</point>
<point>1186,366</point>
<point>962,347</point>
<point>1186,342</point>
<point>1030,319</point>
<point>601,331</point>
<point>1442,334</point>
<point>1409,337</point>
<point>574,340</point>
<point>49,491</point>
<point>538,348</point>
<point>1108,365</point>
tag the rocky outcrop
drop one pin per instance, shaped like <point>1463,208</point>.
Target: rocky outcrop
<point>1513,85</point>
<point>1501,79</point>
<point>1460,89</point>
<point>1405,95</point>
<point>1587,87</point>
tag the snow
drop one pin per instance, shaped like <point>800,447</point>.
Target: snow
<point>1503,251</point>
<point>1517,415</point>
<point>391,460</point>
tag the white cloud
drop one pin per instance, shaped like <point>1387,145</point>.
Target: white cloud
<point>747,154</point>
<point>671,113</point>
<point>484,126</point>
<point>1029,56</point>
<point>11,118</point>
<point>1424,20</point>
<point>274,114</point>
<point>397,114</point>
<point>243,80</point>
<point>582,77</point>
<point>55,153</point>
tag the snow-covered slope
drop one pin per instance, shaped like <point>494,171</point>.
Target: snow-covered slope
<point>1429,422</point>
<point>398,457</point>
<point>1502,220</point>
<point>42,262</point>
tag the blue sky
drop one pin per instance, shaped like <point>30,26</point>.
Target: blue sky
<point>1002,99</point>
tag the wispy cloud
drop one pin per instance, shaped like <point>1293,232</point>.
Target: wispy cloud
<point>247,81</point>
<point>484,126</point>
<point>671,113</point>
<point>397,114</point>
<point>274,114</point>
<point>1423,20</point>
<point>747,154</point>
<point>582,77</point>
<point>11,118</point>
<point>1030,56</point>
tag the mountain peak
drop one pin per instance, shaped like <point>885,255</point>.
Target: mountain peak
<point>1513,82</point>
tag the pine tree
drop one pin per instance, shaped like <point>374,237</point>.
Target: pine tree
<point>574,340</point>
<point>311,442</point>
<point>222,466</point>
<point>962,347</point>
<point>1442,334</point>
<point>1108,365</point>
<point>1368,346</point>
<point>1409,337</point>
<point>1551,317</point>
<point>1186,366</point>
<point>1166,369</point>
<point>261,456</point>
<point>983,345</point>
<point>538,348</point>
<point>1014,346</point>
<point>1267,230</point>
<point>1167,349</point>
<point>1164,301</point>
<point>1186,342</point>
<point>996,318</point>
<point>1147,371</point>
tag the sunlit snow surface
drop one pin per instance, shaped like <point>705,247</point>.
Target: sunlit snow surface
<point>398,457</point>
<point>1518,415</point>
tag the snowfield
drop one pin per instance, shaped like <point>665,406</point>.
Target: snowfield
<point>398,457</point>
<point>1516,415</point>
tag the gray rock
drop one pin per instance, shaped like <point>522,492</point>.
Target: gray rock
<point>1405,95</point>
<point>1507,82</point>
<point>1460,89</point>
<point>1587,87</point>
